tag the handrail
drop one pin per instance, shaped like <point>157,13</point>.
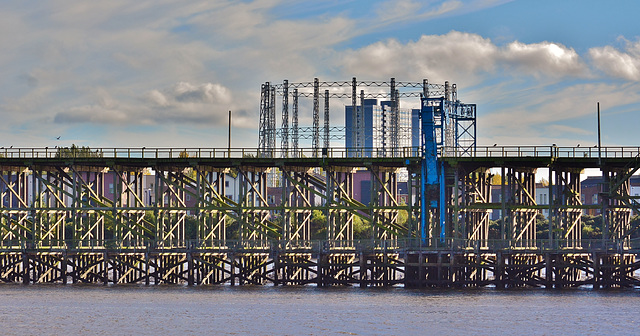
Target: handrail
<point>332,153</point>
<point>204,153</point>
<point>547,152</point>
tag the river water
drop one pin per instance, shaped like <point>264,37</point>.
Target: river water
<point>225,310</point>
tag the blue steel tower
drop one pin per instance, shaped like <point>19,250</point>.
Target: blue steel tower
<point>448,129</point>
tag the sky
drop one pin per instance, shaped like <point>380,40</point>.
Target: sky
<point>165,73</point>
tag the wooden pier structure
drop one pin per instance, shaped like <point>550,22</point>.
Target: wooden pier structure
<point>87,216</point>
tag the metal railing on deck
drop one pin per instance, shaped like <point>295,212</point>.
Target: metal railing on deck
<point>205,153</point>
<point>548,151</point>
<point>333,152</point>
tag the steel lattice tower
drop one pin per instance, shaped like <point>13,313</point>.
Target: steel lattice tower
<point>294,123</point>
<point>393,127</point>
<point>326,120</point>
<point>287,134</point>
<point>284,142</point>
<point>264,119</point>
<point>316,116</point>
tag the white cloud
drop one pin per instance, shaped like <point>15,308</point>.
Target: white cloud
<point>464,57</point>
<point>203,93</point>
<point>455,55</point>
<point>545,58</point>
<point>616,63</point>
<point>184,103</point>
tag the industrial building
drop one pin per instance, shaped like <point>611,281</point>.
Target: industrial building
<point>380,129</point>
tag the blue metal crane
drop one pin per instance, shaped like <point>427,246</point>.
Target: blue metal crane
<point>448,127</point>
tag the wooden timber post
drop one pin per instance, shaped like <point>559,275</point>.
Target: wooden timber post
<point>548,271</point>
<point>232,271</point>
<point>63,268</point>
<point>105,271</point>
<point>363,270</point>
<point>25,268</point>
<point>190,266</point>
<point>596,270</point>
<point>499,270</point>
<point>146,268</point>
<point>276,266</point>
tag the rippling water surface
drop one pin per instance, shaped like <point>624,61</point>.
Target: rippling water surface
<point>129,310</point>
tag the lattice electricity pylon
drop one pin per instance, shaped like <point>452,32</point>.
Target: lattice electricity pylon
<point>272,119</point>
<point>284,142</point>
<point>263,125</point>
<point>394,124</point>
<point>294,124</point>
<point>266,139</point>
<point>315,141</point>
<point>360,122</point>
<point>327,127</point>
<point>355,115</point>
